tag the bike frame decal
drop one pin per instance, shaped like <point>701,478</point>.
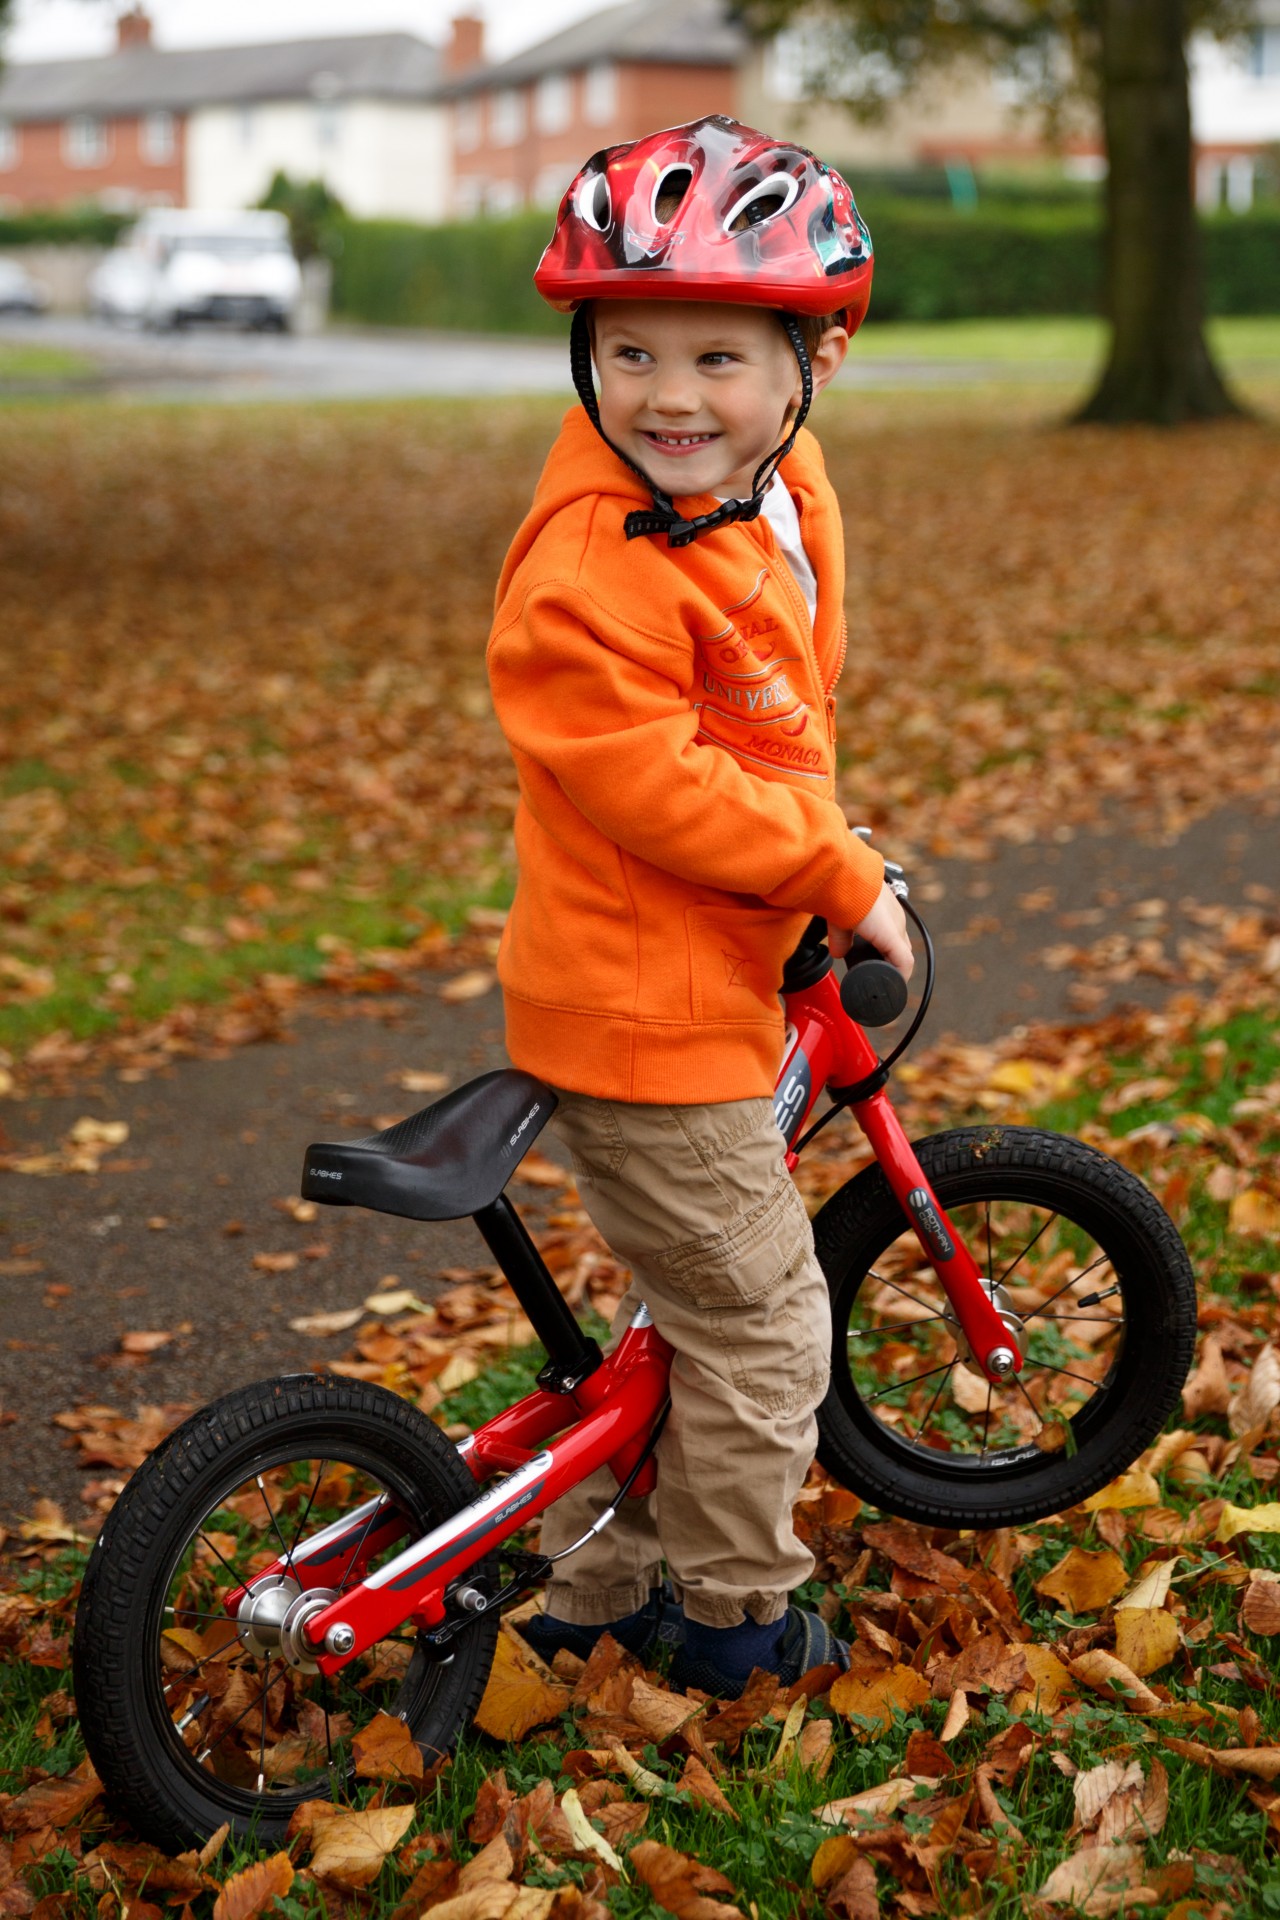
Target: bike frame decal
<point>836,1052</point>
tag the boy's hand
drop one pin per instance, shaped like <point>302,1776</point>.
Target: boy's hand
<point>886,929</point>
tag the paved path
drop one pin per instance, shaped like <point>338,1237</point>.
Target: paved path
<point>208,363</point>
<point>218,1142</point>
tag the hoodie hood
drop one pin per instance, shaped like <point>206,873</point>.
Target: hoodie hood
<point>581,468</point>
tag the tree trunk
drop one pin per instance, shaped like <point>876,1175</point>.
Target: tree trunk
<point>1159,367</point>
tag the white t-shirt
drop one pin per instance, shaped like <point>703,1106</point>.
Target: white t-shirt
<point>779,509</point>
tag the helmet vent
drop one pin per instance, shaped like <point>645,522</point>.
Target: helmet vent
<point>762,202</point>
<point>668,195</point>
<point>594,203</point>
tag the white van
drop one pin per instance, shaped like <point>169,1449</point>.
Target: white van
<point>176,266</point>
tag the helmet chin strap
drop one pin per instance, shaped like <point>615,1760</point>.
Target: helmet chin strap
<point>663,518</point>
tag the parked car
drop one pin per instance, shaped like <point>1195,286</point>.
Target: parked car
<point>19,293</point>
<point>177,266</point>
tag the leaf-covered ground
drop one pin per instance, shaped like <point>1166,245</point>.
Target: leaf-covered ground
<point>247,742</point>
<point>245,731</point>
<point>1079,1715</point>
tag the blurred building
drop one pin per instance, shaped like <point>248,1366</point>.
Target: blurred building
<point>520,129</point>
<point>1235,111</point>
<point>396,127</point>
<point>208,127</point>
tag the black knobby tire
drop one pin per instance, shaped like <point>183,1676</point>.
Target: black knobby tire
<point>187,1525</point>
<point>1105,1299</point>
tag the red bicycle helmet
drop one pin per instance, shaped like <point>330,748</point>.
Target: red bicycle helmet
<point>710,211</point>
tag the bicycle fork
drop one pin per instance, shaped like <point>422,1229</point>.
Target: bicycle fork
<point>826,1048</point>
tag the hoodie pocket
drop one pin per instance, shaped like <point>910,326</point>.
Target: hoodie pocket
<point>736,956</point>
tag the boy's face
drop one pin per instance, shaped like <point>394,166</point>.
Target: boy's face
<point>697,394</point>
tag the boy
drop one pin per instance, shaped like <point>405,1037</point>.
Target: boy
<point>669,630</point>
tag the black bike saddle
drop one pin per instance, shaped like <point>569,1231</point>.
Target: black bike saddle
<point>449,1160</point>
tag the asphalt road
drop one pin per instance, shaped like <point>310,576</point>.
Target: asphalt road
<point>218,1144</point>
<point>213,363</point>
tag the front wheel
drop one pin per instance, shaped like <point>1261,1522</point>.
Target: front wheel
<point>194,1715</point>
<point>1091,1278</point>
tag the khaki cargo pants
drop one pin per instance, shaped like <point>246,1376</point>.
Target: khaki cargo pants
<point>699,1203</point>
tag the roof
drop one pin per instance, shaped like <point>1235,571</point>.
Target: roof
<point>681,33</point>
<point>138,79</point>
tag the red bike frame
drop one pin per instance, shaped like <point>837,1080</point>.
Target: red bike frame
<point>552,1440</point>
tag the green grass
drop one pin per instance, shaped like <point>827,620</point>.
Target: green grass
<point>296,938</point>
<point>22,360</point>
<point>1081,342</point>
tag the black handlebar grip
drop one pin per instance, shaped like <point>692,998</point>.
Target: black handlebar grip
<point>872,992</point>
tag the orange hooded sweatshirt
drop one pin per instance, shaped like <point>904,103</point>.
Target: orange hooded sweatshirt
<point>670,712</point>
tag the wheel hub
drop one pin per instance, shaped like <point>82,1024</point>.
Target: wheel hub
<point>272,1619</point>
<point>1011,1320</point>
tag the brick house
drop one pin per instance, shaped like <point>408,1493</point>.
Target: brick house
<point>209,126</point>
<point>520,129</point>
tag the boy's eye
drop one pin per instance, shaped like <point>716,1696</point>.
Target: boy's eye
<point>720,359</point>
<point>632,355</point>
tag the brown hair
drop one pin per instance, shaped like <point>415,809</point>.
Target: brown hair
<point>812,328</point>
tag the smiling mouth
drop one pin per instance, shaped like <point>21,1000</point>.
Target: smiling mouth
<point>678,442</point>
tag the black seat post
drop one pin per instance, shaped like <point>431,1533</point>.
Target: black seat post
<point>571,1354</point>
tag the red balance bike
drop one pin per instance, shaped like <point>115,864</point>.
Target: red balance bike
<point>1014,1316</point>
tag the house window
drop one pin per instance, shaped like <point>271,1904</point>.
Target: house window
<point>467,130</point>
<point>8,145</point>
<point>600,93</point>
<point>552,104</point>
<point>158,140</point>
<point>1263,57</point>
<point>86,141</point>
<point>468,196</point>
<point>247,121</point>
<point>328,123</point>
<point>504,196</point>
<point>506,117</point>
<point>549,186</point>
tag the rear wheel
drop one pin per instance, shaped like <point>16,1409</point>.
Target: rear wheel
<point>1091,1278</point>
<point>194,1717</point>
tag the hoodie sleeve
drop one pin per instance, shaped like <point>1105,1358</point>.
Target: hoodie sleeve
<point>609,720</point>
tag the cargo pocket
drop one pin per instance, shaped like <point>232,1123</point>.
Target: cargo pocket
<point>592,1133</point>
<point>744,1262</point>
<point>778,1353</point>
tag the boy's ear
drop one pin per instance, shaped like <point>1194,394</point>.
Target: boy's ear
<point>827,361</point>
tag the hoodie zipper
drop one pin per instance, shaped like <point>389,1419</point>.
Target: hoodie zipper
<point>791,586</point>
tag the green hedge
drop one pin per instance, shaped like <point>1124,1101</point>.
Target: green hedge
<point>74,227</point>
<point>931,264</point>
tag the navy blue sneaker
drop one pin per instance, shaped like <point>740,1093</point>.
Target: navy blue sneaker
<point>720,1660</point>
<point>659,1623</point>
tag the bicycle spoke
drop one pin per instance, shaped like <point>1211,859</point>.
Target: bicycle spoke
<point>1081,1319</point>
<point>237,1577</point>
<point>355,1551</point>
<point>1076,1278</point>
<point>191,1613</point>
<point>189,1673</point>
<point>262,1744</point>
<point>275,1525</point>
<point>1017,1381</point>
<point>937,1395</point>
<point>1020,1257</point>
<point>886,1282</point>
<point>894,1326</point>
<point>1048,1367</point>
<point>306,1514</point>
<point>986,1421</point>
<point>247,1711</point>
<point>910,1381</point>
